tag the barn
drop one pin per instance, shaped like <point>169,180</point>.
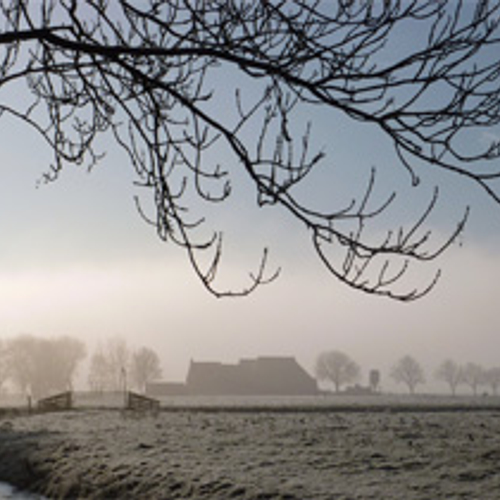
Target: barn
<point>262,376</point>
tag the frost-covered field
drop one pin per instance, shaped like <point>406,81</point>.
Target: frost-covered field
<point>424,450</point>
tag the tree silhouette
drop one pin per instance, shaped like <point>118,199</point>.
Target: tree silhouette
<point>69,352</point>
<point>474,376</point>
<point>337,367</point>
<point>374,379</point>
<point>451,373</point>
<point>119,357</point>
<point>20,362</point>
<point>409,372</point>
<point>39,366</point>
<point>492,378</point>
<point>100,375</point>
<point>145,367</point>
<point>110,366</point>
<point>201,94</point>
<point>4,372</point>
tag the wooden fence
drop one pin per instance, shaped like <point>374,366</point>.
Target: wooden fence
<point>141,404</point>
<point>58,402</point>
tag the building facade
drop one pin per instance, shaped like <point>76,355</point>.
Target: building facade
<point>263,376</point>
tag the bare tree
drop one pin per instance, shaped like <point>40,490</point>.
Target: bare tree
<point>148,74</point>
<point>4,372</point>
<point>338,368</point>
<point>492,378</point>
<point>451,373</point>
<point>99,377</point>
<point>118,355</point>
<point>39,366</point>
<point>409,372</point>
<point>374,379</point>
<point>69,352</point>
<point>110,366</point>
<point>20,365</point>
<point>145,366</point>
<point>474,376</point>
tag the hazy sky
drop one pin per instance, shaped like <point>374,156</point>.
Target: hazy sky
<point>76,259</point>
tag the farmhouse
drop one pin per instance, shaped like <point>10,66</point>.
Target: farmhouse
<point>263,376</point>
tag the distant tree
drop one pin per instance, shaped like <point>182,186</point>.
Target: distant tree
<point>99,378</point>
<point>492,378</point>
<point>145,366</point>
<point>110,366</point>
<point>40,366</point>
<point>20,362</point>
<point>4,372</point>
<point>408,371</point>
<point>474,376</point>
<point>374,380</point>
<point>118,355</point>
<point>338,368</point>
<point>451,373</point>
<point>69,352</point>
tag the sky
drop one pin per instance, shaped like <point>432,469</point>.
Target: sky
<point>76,259</point>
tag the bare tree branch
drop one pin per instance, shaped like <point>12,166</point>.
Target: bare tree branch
<point>149,75</point>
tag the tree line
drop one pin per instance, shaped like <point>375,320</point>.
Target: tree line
<point>339,369</point>
<point>38,367</point>
<point>115,366</point>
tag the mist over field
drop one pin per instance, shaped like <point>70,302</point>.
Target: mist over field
<point>94,270</point>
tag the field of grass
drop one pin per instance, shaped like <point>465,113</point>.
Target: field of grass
<point>386,447</point>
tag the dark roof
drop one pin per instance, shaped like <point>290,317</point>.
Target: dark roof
<point>260,376</point>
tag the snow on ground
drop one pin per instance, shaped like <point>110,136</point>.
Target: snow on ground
<point>257,452</point>
<point>8,492</point>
